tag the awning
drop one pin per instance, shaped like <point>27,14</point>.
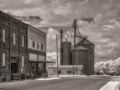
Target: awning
<point>40,61</point>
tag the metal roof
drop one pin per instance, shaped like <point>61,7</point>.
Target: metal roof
<point>38,61</point>
<point>65,66</point>
<point>81,48</point>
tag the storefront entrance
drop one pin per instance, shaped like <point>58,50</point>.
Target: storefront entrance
<point>36,69</point>
<point>15,69</point>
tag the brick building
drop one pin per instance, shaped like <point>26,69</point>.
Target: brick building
<point>15,53</point>
<point>36,52</point>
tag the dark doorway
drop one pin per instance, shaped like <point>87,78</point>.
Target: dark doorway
<point>14,68</point>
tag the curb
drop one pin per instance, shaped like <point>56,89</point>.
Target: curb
<point>48,78</point>
<point>24,82</point>
<point>14,83</point>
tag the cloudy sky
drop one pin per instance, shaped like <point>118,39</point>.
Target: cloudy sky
<point>104,32</point>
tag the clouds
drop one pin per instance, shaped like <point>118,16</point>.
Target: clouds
<point>104,32</point>
<point>54,11</point>
<point>51,40</point>
<point>52,56</point>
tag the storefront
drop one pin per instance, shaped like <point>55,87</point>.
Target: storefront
<point>38,68</point>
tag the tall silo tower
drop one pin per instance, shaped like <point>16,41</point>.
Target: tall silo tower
<point>66,52</point>
<point>80,56</point>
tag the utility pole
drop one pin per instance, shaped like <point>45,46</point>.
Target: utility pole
<point>57,52</point>
<point>74,26</point>
<point>75,29</point>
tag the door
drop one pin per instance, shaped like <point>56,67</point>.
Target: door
<point>14,68</point>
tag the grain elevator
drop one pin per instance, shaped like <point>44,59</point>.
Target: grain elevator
<point>78,50</point>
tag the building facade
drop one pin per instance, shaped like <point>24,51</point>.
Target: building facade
<point>16,51</point>
<point>65,70</point>
<point>36,52</point>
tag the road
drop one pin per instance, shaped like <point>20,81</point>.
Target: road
<point>64,84</point>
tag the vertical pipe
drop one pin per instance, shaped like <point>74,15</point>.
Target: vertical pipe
<point>61,34</point>
<point>19,56</point>
<point>57,53</point>
<point>10,48</point>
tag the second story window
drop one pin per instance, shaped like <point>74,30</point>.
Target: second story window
<point>38,45</point>
<point>14,39</point>
<point>42,46</point>
<point>3,35</point>
<point>33,44</point>
<point>23,41</point>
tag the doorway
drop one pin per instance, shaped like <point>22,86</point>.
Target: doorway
<point>14,68</point>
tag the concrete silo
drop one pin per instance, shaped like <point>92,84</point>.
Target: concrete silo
<point>80,56</point>
<point>90,46</point>
<point>66,53</point>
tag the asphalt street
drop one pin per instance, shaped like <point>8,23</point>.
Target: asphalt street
<point>63,84</point>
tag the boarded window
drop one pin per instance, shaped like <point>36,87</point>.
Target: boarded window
<point>23,41</point>
<point>40,57</point>
<point>23,61</point>
<point>3,35</point>
<point>32,56</point>
<point>3,59</point>
<point>14,39</point>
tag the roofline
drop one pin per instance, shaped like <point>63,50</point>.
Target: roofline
<point>21,21</point>
<point>13,17</point>
<point>36,28</point>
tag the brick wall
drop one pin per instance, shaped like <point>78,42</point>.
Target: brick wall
<point>12,25</point>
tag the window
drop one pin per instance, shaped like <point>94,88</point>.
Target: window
<point>73,72</point>
<point>3,35</point>
<point>42,46</point>
<point>3,59</point>
<point>33,44</point>
<point>69,72</point>
<point>23,60</point>
<point>30,43</point>
<point>59,72</point>
<point>23,41</point>
<point>14,39</point>
<point>38,46</point>
<point>21,69</point>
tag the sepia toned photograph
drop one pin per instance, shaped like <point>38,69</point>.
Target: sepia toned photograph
<point>59,44</point>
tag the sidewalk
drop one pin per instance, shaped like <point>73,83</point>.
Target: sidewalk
<point>25,82</point>
<point>114,84</point>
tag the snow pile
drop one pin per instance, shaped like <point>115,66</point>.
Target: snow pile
<point>109,67</point>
